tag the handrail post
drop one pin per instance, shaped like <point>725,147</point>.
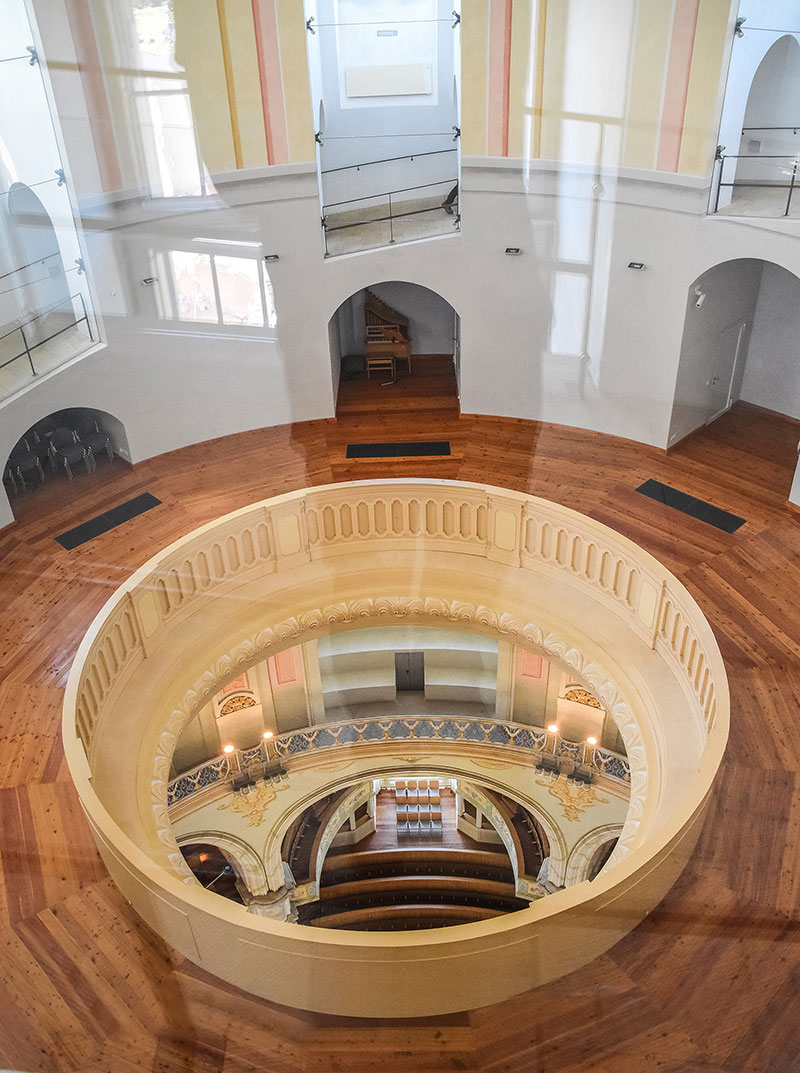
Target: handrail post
<point>86,315</point>
<point>719,181</point>
<point>791,188</point>
<point>27,349</point>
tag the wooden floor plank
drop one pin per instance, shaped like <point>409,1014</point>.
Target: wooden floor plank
<point>709,982</point>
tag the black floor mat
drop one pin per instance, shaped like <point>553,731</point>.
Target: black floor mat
<point>695,508</point>
<point>73,538</point>
<point>417,448</point>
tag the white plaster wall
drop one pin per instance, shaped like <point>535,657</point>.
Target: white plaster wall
<point>172,383</point>
<point>772,371</point>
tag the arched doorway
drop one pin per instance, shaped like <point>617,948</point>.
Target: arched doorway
<point>398,335</point>
<point>741,326</point>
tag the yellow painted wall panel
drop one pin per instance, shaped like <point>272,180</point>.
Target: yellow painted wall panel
<point>198,49</point>
<point>520,119</point>
<point>700,118</point>
<point>651,51</point>
<point>474,74</point>
<point>294,66</point>
<point>249,112</point>
<point>553,80</point>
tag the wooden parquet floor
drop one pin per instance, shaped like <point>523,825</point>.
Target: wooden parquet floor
<point>710,983</point>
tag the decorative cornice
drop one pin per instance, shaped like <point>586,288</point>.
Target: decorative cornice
<point>309,623</point>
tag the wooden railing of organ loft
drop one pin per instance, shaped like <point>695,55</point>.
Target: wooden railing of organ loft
<point>387,336</point>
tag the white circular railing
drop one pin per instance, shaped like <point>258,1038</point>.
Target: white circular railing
<point>461,555</point>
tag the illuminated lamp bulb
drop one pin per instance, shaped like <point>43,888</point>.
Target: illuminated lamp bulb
<point>267,734</point>
<point>591,741</point>
<point>229,748</point>
<point>553,728</point>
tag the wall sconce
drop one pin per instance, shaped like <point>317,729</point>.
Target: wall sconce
<point>700,296</point>
<point>553,728</point>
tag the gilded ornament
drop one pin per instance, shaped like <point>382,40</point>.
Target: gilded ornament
<point>574,797</point>
<point>252,805</point>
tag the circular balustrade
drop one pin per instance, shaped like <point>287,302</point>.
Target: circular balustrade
<point>345,556</point>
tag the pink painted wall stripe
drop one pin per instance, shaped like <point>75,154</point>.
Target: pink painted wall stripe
<point>684,26</point>
<point>269,72</point>
<point>94,89</point>
<point>499,76</point>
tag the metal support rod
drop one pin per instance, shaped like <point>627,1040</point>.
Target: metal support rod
<point>721,159</point>
<point>791,188</point>
<point>391,222</point>
<point>27,350</point>
<point>86,316</point>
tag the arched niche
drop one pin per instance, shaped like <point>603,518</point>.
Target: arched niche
<point>46,300</point>
<point>243,858</point>
<point>771,128</point>
<point>741,325</point>
<point>433,328</point>
<point>35,438</point>
<point>591,853</point>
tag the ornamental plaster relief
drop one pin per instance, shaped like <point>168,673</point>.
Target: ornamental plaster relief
<point>305,626</point>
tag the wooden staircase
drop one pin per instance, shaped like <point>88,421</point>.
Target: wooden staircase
<point>386,336</point>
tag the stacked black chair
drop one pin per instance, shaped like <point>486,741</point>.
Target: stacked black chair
<point>24,466</point>
<point>66,451</point>
<point>95,440</point>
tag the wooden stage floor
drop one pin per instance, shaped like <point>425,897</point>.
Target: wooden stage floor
<point>710,983</point>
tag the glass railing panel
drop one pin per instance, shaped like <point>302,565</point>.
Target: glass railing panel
<point>42,343</point>
<point>756,184</point>
<point>391,218</point>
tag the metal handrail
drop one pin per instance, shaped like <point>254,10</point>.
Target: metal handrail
<point>30,264</point>
<point>388,193</point>
<point>386,160</point>
<point>794,129</point>
<point>759,156</point>
<point>32,346</point>
<point>795,158</point>
<point>327,228</point>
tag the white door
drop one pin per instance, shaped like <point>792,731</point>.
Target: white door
<point>726,359</point>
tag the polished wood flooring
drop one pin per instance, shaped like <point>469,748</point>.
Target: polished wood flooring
<point>710,983</point>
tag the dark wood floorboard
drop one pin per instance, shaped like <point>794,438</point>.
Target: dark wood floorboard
<point>708,984</point>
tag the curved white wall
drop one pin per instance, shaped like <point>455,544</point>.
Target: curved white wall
<point>172,383</point>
